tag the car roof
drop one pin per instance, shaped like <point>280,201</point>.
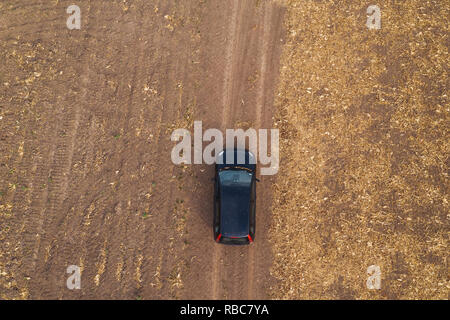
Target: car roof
<point>235,209</point>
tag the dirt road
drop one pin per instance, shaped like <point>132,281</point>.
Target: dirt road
<point>86,174</point>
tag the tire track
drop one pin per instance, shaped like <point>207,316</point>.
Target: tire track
<point>21,195</point>
<point>260,255</point>
<point>31,230</point>
<point>45,256</point>
<point>126,217</point>
<point>260,110</point>
<point>160,246</point>
<point>107,218</point>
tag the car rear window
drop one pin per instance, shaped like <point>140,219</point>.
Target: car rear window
<point>238,178</point>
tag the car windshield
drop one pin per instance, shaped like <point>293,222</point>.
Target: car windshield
<point>239,178</point>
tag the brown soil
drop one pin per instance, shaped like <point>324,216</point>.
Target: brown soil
<point>86,175</point>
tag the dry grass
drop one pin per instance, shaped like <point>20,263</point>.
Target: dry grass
<point>364,119</point>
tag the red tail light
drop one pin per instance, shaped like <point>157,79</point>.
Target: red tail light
<point>250,238</point>
<point>218,237</point>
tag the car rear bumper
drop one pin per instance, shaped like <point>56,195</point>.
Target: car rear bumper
<point>234,241</point>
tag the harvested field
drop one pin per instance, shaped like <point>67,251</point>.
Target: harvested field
<point>364,119</point>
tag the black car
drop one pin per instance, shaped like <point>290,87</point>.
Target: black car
<point>235,197</point>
